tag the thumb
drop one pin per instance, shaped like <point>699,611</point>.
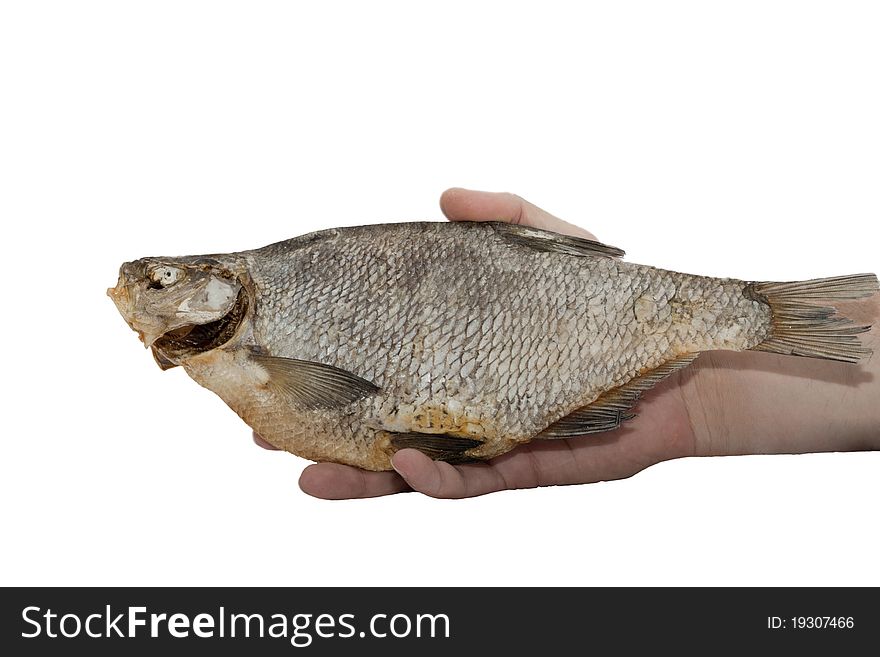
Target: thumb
<point>460,204</point>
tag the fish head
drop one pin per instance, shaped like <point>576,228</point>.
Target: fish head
<point>181,307</point>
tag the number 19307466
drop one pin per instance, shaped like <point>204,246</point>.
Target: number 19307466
<point>810,623</point>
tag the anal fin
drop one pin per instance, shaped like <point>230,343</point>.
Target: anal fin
<point>613,407</point>
<point>439,447</point>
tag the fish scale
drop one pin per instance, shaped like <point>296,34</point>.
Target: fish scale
<point>462,340</point>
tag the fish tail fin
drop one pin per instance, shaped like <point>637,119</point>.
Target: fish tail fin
<point>802,328</point>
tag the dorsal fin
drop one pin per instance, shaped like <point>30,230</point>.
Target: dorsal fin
<point>549,242</point>
<point>613,407</point>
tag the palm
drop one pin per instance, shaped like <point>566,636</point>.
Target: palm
<point>662,432</point>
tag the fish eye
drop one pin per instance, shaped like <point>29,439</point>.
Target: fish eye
<point>161,277</point>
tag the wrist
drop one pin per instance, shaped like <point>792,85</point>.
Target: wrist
<point>758,403</point>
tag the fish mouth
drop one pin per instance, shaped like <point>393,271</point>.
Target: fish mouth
<point>193,339</point>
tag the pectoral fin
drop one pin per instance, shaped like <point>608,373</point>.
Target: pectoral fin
<point>439,447</point>
<point>308,384</point>
<point>613,407</point>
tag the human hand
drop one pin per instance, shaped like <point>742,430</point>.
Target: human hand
<point>718,406</point>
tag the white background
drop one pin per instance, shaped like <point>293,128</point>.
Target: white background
<point>735,139</point>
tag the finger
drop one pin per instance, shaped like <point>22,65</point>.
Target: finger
<point>333,481</point>
<point>469,205</point>
<point>443,480</point>
<point>545,463</point>
<point>258,439</point>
